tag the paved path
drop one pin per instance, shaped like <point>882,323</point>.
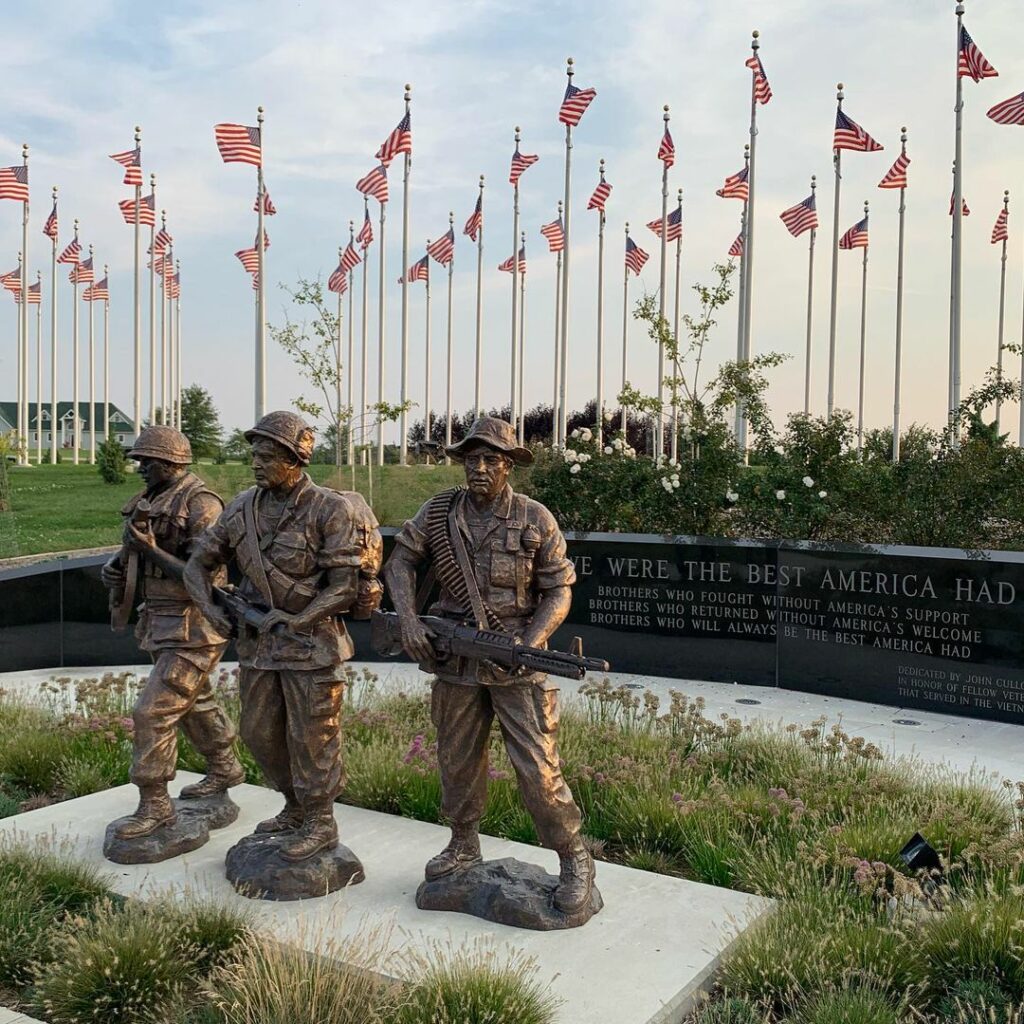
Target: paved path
<point>964,744</point>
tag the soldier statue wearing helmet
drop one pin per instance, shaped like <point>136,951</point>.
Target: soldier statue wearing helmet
<point>300,548</point>
<point>161,527</point>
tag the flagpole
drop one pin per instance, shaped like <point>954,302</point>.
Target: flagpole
<point>152,305</point>
<point>899,314</point>
<point>136,311</point>
<point>952,307</point>
<point>563,385</point>
<point>863,338</point>
<point>448,381</point>
<point>380,344</point>
<point>261,309</point>
<point>625,327</point>
<point>674,444</point>
<point>403,456</point>
<point>521,431</point>
<point>177,333</point>
<point>23,379</point>
<point>1002,305</point>
<point>479,301</point>
<point>515,294</point>
<point>92,373</point>
<point>956,318</point>
<point>39,370</point>
<point>106,361</point>
<point>172,362</point>
<point>741,305</point>
<point>53,344</point>
<point>836,161</point>
<point>363,369</point>
<point>659,429</point>
<point>164,384</point>
<point>810,306</point>
<point>350,452</point>
<point>426,354</point>
<point>555,406</point>
<point>22,441</point>
<point>747,268</point>
<point>599,395</point>
<point>75,357</point>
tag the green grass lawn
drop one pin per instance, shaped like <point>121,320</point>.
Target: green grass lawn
<point>66,507</point>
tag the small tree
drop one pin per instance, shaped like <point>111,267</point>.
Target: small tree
<point>235,447</point>
<point>200,422</point>
<point>111,461</point>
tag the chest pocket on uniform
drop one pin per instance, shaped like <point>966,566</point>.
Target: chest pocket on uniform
<point>290,552</point>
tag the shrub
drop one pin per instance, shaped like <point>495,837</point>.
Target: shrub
<point>975,996</point>
<point>31,758</point>
<point>476,987</point>
<point>111,461</point>
<point>729,1010</point>
<point>856,1005</point>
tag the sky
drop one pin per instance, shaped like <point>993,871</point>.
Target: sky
<point>330,76</point>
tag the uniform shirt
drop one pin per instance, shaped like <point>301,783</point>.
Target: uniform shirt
<point>179,513</point>
<point>517,551</point>
<point>314,534</point>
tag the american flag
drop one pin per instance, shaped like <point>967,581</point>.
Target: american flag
<point>673,225</point>
<point>173,285</point>
<point>50,227</point>
<point>14,183</point>
<point>964,208</point>
<point>82,272</point>
<point>35,293</point>
<point>736,186</point>
<point>255,282</point>
<point>101,291</point>
<point>856,237</point>
<point>802,217</point>
<point>555,234</point>
<point>162,240</point>
<point>249,258</point>
<point>850,135</point>
<point>762,90</point>
<point>971,62</point>
<point>350,257</point>
<point>131,161</point>
<point>419,271</point>
<point>1000,232</point>
<point>162,265</point>
<point>72,252</point>
<point>574,104</point>
<point>365,236</point>
<point>1010,111</point>
<point>443,248</point>
<point>896,176</point>
<point>238,144</point>
<point>476,219</point>
<point>600,196</point>
<point>635,256</point>
<point>147,211</point>
<point>507,265</point>
<point>520,161</point>
<point>667,149</point>
<point>269,209</point>
<point>736,249</point>
<point>338,281</point>
<point>375,183</point>
<point>399,141</point>
<point>12,280</point>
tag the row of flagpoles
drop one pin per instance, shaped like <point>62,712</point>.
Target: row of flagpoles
<point>165,360</point>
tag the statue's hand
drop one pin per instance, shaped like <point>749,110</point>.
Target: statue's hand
<point>112,575</point>
<point>416,639</point>
<point>138,539</point>
<point>274,617</point>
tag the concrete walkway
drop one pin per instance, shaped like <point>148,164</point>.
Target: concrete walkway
<point>962,744</point>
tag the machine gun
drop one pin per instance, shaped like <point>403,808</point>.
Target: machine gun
<point>453,639</point>
<point>122,599</point>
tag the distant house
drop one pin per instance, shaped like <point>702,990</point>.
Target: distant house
<point>122,427</point>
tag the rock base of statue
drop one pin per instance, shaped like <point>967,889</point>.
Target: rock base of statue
<point>195,819</point>
<point>256,869</point>
<point>506,891</point>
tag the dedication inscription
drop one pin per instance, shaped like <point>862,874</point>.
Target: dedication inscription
<point>911,627</point>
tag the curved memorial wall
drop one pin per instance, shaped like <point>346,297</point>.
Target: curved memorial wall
<point>926,628</point>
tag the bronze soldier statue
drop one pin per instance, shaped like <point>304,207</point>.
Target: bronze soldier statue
<point>500,559</point>
<point>184,644</point>
<point>300,548</point>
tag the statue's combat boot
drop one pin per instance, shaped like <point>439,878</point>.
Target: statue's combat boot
<point>575,878</point>
<point>462,851</point>
<point>154,811</point>
<point>223,770</point>
<point>288,819</point>
<point>319,832</point>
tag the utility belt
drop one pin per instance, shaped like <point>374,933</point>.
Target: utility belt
<point>291,595</point>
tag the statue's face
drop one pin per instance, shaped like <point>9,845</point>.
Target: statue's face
<point>272,464</point>
<point>156,472</point>
<point>487,471</point>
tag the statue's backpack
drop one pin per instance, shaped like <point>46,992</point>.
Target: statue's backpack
<point>371,545</point>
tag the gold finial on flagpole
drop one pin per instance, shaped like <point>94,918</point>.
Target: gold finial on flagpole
<point>55,193</point>
<point>754,40</point>
<point>840,95</point>
<point>451,218</point>
<point>76,227</point>
<point>138,135</point>
<point>814,183</point>
<point>568,68</point>
<point>259,115</point>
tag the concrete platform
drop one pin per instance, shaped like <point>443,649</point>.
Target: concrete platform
<point>643,960</point>
<point>14,1017</point>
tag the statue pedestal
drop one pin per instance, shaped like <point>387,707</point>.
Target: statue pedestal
<point>506,891</point>
<point>256,869</point>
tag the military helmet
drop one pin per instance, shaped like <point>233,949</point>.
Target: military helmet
<point>495,433</point>
<point>288,429</point>
<point>164,443</point>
